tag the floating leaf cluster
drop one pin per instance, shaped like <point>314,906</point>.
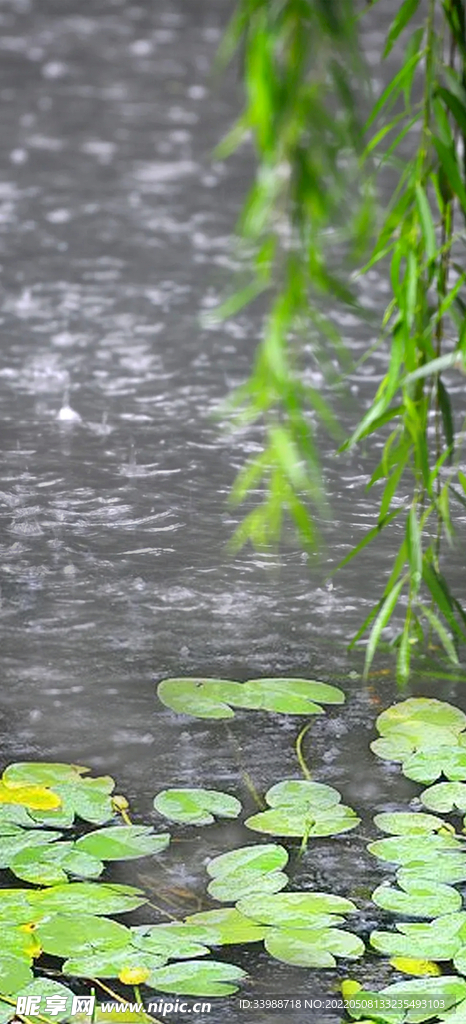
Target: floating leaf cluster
<point>424,735</point>
<point>303,808</point>
<point>427,736</point>
<point>216,698</point>
<point>387,1006</point>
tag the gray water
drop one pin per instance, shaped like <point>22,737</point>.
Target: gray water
<point>115,235</point>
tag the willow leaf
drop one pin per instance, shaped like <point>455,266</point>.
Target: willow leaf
<point>441,632</point>
<point>405,13</point>
<point>381,621</point>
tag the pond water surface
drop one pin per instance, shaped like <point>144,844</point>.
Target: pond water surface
<point>115,227</point>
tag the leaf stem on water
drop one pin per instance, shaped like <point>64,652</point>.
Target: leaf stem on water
<point>299,751</point>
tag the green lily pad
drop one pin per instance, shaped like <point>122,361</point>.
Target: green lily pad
<point>15,973</point>
<point>293,909</point>
<point>247,870</point>
<point>195,697</point>
<point>292,696</point>
<point>41,773</point>
<point>287,821</point>
<point>427,766</point>
<point>215,698</point>
<point>17,814</point>
<point>449,870</point>
<point>268,857</point>
<point>16,907</point>
<point>308,947</point>
<point>421,898</point>
<point>43,988</point>
<point>222,927</point>
<point>300,793</point>
<point>457,1015</point>
<point>74,935</point>
<point>459,959</point>
<point>111,964</point>
<point>392,747</point>
<point>21,942</point>
<point>401,824</point>
<point>90,799</point>
<point>170,941</point>
<point>237,884</point>
<point>196,806</point>
<point>421,947</point>
<point>422,711</point>
<point>123,842</point>
<point>446,925</point>
<point>418,850</point>
<point>197,978</point>
<point>440,939</point>
<point>50,865</point>
<point>445,797</point>
<point>87,898</point>
<point>302,808</point>
<point>447,989</point>
<point>22,839</point>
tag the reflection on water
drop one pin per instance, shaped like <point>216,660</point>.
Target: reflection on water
<point>114,233</point>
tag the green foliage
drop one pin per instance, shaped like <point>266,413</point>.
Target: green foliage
<point>445,797</point>
<point>430,855</point>
<point>316,184</point>
<point>250,869</point>
<point>387,1005</point>
<point>215,698</point>
<point>71,920</point>
<point>428,737</point>
<point>302,808</point>
<point>196,806</point>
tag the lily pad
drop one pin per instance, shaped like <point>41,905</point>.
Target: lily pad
<point>21,839</point>
<point>268,857</point>
<point>197,978</point>
<point>123,842</point>
<point>302,821</point>
<point>292,696</point>
<point>450,870</point>
<point>301,808</point>
<point>222,927</point>
<point>237,884</point>
<point>247,870</point>
<point>294,909</point>
<point>44,987</point>
<point>301,793</point>
<point>417,850</point>
<point>427,766</point>
<point>41,773</point>
<point>20,941</point>
<point>112,964</point>
<point>51,865</point>
<point>170,941</point>
<point>87,898</point>
<point>196,806</point>
<point>308,947</point>
<point>74,935</point>
<point>422,946</point>
<point>15,973</point>
<point>404,824</point>
<point>89,799</point>
<point>445,797</point>
<point>422,711</point>
<point>196,696</point>
<point>421,898</point>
